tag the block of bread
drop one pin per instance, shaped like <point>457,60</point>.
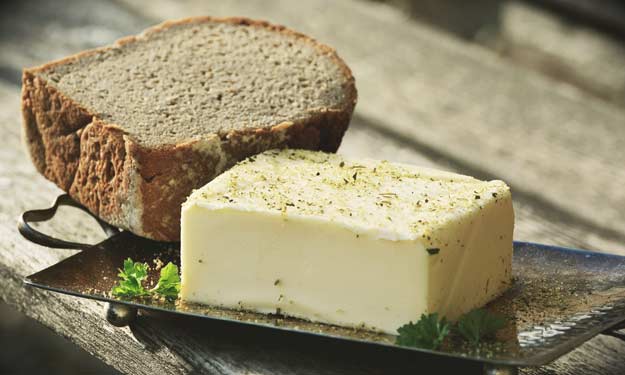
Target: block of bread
<point>130,129</point>
<point>358,243</point>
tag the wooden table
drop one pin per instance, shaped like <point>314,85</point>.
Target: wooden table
<point>424,98</point>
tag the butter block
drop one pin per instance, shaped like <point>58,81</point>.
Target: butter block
<point>360,243</point>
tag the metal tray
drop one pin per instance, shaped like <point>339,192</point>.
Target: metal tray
<point>560,297</point>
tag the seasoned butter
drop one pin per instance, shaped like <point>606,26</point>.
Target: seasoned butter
<point>361,243</point>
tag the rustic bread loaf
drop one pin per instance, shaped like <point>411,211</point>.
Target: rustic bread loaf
<point>130,129</point>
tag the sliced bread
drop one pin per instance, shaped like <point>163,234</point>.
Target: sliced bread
<point>129,130</point>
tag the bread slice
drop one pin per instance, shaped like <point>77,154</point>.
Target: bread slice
<point>130,129</point>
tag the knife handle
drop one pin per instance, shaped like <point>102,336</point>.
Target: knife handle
<point>33,216</point>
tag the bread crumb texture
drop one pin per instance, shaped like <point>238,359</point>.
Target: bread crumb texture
<point>170,86</point>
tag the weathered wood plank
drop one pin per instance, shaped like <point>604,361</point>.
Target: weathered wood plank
<point>567,48</point>
<point>549,140</point>
<point>55,29</point>
<point>569,52</point>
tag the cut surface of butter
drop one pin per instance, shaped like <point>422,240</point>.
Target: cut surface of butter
<point>360,243</point>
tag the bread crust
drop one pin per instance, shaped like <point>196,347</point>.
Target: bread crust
<point>141,188</point>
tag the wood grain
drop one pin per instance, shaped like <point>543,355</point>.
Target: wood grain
<point>547,139</point>
<point>567,51</point>
<point>34,32</point>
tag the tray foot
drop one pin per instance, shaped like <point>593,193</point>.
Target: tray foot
<point>120,315</point>
<point>490,369</point>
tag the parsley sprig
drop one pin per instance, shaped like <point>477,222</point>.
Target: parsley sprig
<point>478,324</point>
<point>169,283</point>
<point>132,276</point>
<point>429,332</point>
<point>134,273</point>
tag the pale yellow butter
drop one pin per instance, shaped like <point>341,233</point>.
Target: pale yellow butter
<point>347,242</point>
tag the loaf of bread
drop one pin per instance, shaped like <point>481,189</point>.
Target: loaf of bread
<point>129,130</point>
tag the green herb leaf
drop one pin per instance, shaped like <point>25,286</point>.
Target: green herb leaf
<point>131,276</point>
<point>428,333</point>
<point>478,324</point>
<point>169,283</point>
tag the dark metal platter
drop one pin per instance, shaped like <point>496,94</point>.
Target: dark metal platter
<point>559,299</point>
